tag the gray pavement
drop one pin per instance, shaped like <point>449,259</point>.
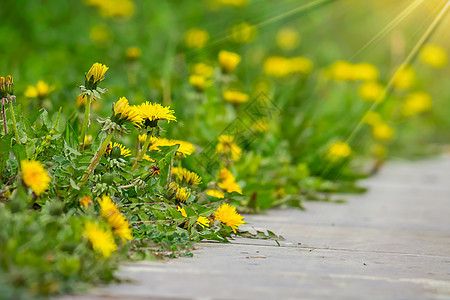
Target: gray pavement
<point>390,243</point>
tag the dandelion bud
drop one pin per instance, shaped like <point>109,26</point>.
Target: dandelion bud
<point>2,87</point>
<point>95,75</point>
<point>9,85</point>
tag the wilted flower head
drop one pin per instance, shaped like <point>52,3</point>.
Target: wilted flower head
<point>95,75</point>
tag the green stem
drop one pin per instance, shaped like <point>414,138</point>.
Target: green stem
<point>85,121</point>
<point>16,132</point>
<point>4,115</point>
<point>143,150</point>
<point>97,157</point>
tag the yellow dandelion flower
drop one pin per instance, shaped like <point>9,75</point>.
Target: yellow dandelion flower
<point>120,226</point>
<point>100,239</point>
<point>372,118</point>
<point>228,215</point>
<point>434,55</point>
<point>340,70</point>
<point>133,53</point>
<point>151,113</point>
<point>235,97</point>
<point>382,131</point>
<point>225,175</point>
<point>186,176</point>
<point>339,150</point>
<point>182,195</point>
<point>277,66</point>
<point>153,140</point>
<point>196,38</point>
<point>365,71</point>
<point>416,103</point>
<point>371,91</point>
<point>107,206</point>
<point>95,74</point>
<point>123,112</point>
<point>300,64</point>
<point>203,69</point>
<point>228,61</point>
<point>228,182</point>
<point>288,39</point>
<point>35,176</point>
<point>182,211</point>
<point>41,90</point>
<point>244,32</point>
<point>404,78</point>
<point>124,151</point>
<point>202,221</point>
<point>184,149</point>
<point>85,201</point>
<point>216,193</point>
<point>199,82</point>
<point>227,145</point>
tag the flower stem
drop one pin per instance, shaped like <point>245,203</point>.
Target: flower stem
<point>16,133</point>
<point>143,150</point>
<point>97,157</point>
<point>85,121</point>
<point>4,115</point>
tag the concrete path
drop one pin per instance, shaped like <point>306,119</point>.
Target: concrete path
<point>390,243</point>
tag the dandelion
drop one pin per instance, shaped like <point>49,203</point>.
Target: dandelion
<point>244,32</point>
<point>185,148</point>
<point>186,176</point>
<point>228,182</point>
<point>202,221</point>
<point>382,131</point>
<point>228,215</point>
<point>182,211</point>
<point>85,201</point>
<point>101,240</point>
<point>151,113</point>
<point>133,53</point>
<point>227,145</point>
<point>95,75</point>
<point>372,118</point>
<point>277,66</point>
<point>35,176</point>
<point>235,97</point>
<point>107,206</point>
<point>371,91</point>
<point>287,39</point>
<point>339,150</point>
<point>434,55</point>
<point>199,82</point>
<point>364,71</point>
<point>124,151</point>
<point>41,90</point>
<point>124,112</point>
<point>340,71</point>
<point>114,218</point>
<point>416,103</point>
<point>228,61</point>
<point>203,69</point>
<point>300,65</point>
<point>182,195</point>
<point>196,38</point>
<point>404,78</point>
<point>216,193</point>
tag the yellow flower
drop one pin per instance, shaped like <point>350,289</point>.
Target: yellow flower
<point>300,64</point>
<point>243,32</point>
<point>196,38</point>
<point>228,215</point>
<point>277,66</point>
<point>107,206</point>
<point>235,97</point>
<point>182,211</point>
<point>182,195</point>
<point>186,176</point>
<point>81,100</point>
<point>199,82</point>
<point>228,61</point>
<point>203,69</point>
<point>339,150</point>
<point>404,78</point>
<point>143,137</point>
<point>236,3</point>
<point>95,74</point>
<point>288,39</point>
<point>365,71</point>
<point>41,90</point>
<point>100,239</point>
<point>416,103</point>
<point>202,221</point>
<point>133,53</point>
<point>227,145</point>
<point>261,125</point>
<point>35,176</point>
<point>228,182</point>
<point>123,112</point>
<point>382,131</point>
<point>340,71</point>
<point>151,113</point>
<point>185,148</point>
<point>124,151</point>
<point>113,8</point>
<point>85,201</point>
<point>371,91</point>
<point>372,118</point>
<point>216,193</point>
<point>434,55</point>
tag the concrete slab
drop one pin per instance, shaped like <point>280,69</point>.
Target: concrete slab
<point>390,243</point>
